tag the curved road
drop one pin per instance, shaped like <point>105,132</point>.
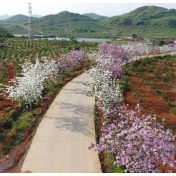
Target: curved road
<point>59,145</point>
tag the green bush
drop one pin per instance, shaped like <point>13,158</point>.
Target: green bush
<point>165,79</point>
<point>18,68</point>
<point>3,72</point>
<point>19,75</point>
<point>13,113</point>
<point>66,73</point>
<point>58,83</point>
<point>23,126</point>
<point>150,69</point>
<point>22,123</point>
<point>6,123</point>
<point>157,73</point>
<point>173,110</point>
<point>37,102</point>
<point>74,73</point>
<point>1,79</point>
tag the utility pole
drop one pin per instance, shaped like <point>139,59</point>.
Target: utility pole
<point>30,25</point>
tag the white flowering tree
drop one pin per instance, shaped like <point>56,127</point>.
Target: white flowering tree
<point>30,86</point>
<point>105,90</point>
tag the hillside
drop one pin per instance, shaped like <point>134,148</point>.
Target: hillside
<point>17,18</point>
<point>61,23</point>
<point>145,16</point>
<point>95,16</point>
<point>144,21</point>
<point>4,33</point>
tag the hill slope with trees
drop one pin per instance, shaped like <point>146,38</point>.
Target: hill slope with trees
<point>145,16</point>
<point>146,20</point>
<point>61,23</point>
<point>4,33</point>
<point>17,18</point>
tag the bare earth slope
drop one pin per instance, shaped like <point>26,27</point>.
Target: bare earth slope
<point>59,145</point>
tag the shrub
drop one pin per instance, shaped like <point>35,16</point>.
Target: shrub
<point>13,113</point>
<point>157,73</point>
<point>165,79</point>
<point>23,126</point>
<point>67,73</point>
<point>7,123</point>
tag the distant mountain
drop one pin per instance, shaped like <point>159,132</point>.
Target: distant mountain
<point>95,16</point>
<point>37,16</point>
<point>4,17</point>
<point>144,16</point>
<point>17,18</point>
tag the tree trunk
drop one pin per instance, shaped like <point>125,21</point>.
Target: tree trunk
<point>31,107</point>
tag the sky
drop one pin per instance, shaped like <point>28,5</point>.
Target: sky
<point>105,8</point>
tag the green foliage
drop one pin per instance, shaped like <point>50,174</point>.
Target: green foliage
<point>81,30</point>
<point>63,23</point>
<point>150,69</point>
<point>1,79</point>
<point>161,43</point>
<point>13,113</point>
<point>165,95</point>
<point>67,74</point>
<point>37,102</point>
<point>23,126</point>
<point>95,16</point>
<point>165,79</point>
<point>145,16</point>
<point>4,33</point>
<point>6,123</point>
<point>73,40</point>
<point>58,83</point>
<point>157,73</point>
<point>18,69</point>
<point>173,110</point>
<point>74,73</point>
<point>113,167</point>
<point>22,123</point>
<point>17,18</point>
<point>125,84</point>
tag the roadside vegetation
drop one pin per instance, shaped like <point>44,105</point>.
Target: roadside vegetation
<point>135,106</point>
<point>43,68</point>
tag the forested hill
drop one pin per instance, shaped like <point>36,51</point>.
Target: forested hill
<point>4,33</point>
<point>95,16</point>
<point>145,16</point>
<point>17,18</point>
<point>67,22</point>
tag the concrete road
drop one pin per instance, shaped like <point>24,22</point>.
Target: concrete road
<point>59,145</point>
